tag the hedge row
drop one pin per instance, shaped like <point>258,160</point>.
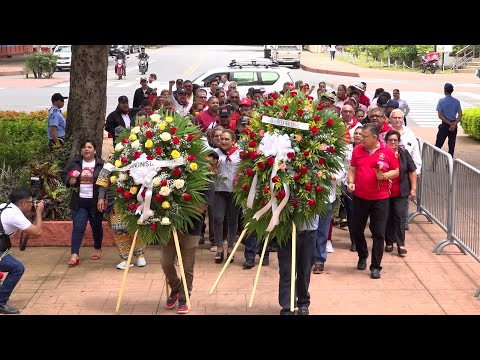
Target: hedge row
<point>471,122</point>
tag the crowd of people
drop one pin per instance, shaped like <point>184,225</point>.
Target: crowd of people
<point>378,177</point>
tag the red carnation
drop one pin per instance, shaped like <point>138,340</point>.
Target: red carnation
<point>176,172</point>
<point>158,197</point>
<point>124,160</point>
<point>186,197</point>
<point>250,172</point>
<point>331,149</point>
<point>247,131</point>
<point>270,161</point>
<point>191,157</point>
<point>271,102</point>
<point>261,165</point>
<point>164,182</point>
<point>319,188</point>
<point>153,227</point>
<point>252,135</point>
<point>148,134</point>
<point>317,118</point>
<point>146,123</point>
<point>299,102</point>
<point>296,176</point>
<point>266,190</point>
<point>176,140</point>
<point>137,154</point>
<point>329,122</point>
<point>303,169</point>
<point>173,130</point>
<point>127,195</point>
<point>285,108</point>
<point>306,153</point>
<point>253,155</point>
<point>311,202</point>
<point>252,144</point>
<point>158,150</point>
<point>321,161</point>
<point>314,130</point>
<point>275,95</point>
<point>275,179</point>
<point>293,93</point>
<point>131,207</point>
<point>280,195</point>
<point>244,187</point>
<point>291,155</point>
<point>310,98</point>
<point>243,154</point>
<point>149,157</point>
<point>119,189</point>
<point>320,107</point>
<point>294,202</point>
<point>300,112</point>
<point>265,103</point>
<point>125,140</point>
<point>308,187</point>
<point>190,137</point>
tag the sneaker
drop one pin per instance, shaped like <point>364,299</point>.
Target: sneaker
<point>248,264</point>
<point>141,262</point>
<point>329,246</point>
<point>123,265</point>
<point>266,261</point>
<point>7,309</point>
<point>213,249</point>
<point>172,300</point>
<point>182,307</point>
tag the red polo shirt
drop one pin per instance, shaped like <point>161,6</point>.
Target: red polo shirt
<point>205,118</point>
<point>366,183</point>
<point>395,192</point>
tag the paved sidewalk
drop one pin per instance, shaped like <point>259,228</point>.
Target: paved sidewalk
<point>420,283</point>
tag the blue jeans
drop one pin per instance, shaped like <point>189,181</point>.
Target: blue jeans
<point>251,247</point>
<point>80,217</point>
<point>15,271</point>
<point>322,236</point>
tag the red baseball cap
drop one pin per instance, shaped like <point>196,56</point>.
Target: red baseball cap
<point>246,101</point>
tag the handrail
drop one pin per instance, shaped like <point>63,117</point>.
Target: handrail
<point>464,55</point>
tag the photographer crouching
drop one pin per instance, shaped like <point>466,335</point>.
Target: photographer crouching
<point>13,218</point>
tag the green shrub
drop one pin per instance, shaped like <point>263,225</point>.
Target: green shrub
<point>24,136</point>
<point>471,122</point>
<point>41,64</point>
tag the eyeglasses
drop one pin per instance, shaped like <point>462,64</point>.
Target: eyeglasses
<point>392,140</point>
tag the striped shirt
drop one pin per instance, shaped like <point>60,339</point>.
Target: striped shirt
<point>227,169</point>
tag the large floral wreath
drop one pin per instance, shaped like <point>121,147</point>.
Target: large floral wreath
<point>159,175</point>
<point>291,148</point>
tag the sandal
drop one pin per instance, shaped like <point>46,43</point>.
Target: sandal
<point>388,248</point>
<point>96,256</point>
<point>74,262</point>
<point>219,257</point>
<point>401,251</point>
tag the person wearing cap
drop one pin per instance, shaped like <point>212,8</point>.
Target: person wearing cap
<point>210,115</point>
<point>390,105</point>
<point>327,100</point>
<point>123,116</point>
<point>363,99</point>
<point>244,109</point>
<point>182,105</point>
<point>56,122</point>
<point>141,93</point>
<point>241,125</point>
<point>402,104</point>
<point>178,85</point>
<point>450,112</point>
<point>224,117</point>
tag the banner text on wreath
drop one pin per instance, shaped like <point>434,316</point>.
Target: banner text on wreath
<point>286,123</point>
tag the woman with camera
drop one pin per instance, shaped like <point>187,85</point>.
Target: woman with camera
<point>80,175</point>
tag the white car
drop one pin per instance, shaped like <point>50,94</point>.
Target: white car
<point>249,73</point>
<point>64,56</point>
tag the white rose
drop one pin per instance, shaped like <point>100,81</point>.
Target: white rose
<point>135,130</point>
<point>164,191</point>
<point>148,214</point>
<point>135,145</point>
<point>122,177</point>
<point>165,136</point>
<point>156,181</point>
<point>179,183</point>
<point>155,118</point>
<point>118,147</point>
<point>165,221</point>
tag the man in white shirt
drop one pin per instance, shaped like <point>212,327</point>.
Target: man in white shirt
<point>402,104</point>
<point>12,218</point>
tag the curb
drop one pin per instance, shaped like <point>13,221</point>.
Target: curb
<point>330,72</point>
<point>11,72</point>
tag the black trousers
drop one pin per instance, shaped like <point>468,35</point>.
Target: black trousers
<point>378,212</point>
<point>305,252</point>
<point>442,135</point>
<point>395,231</point>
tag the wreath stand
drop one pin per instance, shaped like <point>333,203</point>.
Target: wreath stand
<point>293,274</point>
<point>180,262</point>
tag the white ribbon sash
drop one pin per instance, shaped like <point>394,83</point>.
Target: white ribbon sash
<point>142,172</point>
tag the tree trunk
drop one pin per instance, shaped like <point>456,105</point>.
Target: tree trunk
<point>388,55</point>
<point>87,102</point>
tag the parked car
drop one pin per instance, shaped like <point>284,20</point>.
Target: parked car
<point>287,55</point>
<point>128,49</point>
<point>64,56</point>
<point>247,73</point>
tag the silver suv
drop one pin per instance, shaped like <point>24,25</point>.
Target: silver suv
<point>247,73</point>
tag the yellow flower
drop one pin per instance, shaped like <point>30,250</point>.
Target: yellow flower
<point>169,119</point>
<point>161,126</point>
<point>193,166</point>
<point>133,190</point>
<point>133,137</point>
<point>113,179</point>
<point>165,204</point>
<point>118,163</point>
<point>148,144</point>
<point>175,154</point>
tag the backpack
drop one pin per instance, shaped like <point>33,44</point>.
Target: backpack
<point>4,238</point>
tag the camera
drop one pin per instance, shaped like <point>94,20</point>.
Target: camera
<point>38,196</point>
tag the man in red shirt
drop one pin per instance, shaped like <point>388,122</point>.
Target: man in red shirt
<point>377,117</point>
<point>371,188</point>
<point>206,117</point>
